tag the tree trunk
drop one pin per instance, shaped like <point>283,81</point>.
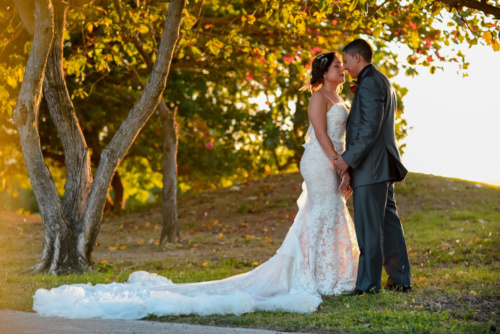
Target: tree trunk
<point>71,230</point>
<point>113,154</point>
<point>118,203</point>
<point>56,225</point>
<point>62,112</point>
<point>170,229</point>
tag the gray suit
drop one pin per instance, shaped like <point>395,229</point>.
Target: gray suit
<point>375,164</point>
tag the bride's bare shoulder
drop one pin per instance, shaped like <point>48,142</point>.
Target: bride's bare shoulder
<point>317,99</point>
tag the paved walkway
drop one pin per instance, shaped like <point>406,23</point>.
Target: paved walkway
<point>13,322</point>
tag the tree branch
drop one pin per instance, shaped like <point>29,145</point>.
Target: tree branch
<point>25,10</point>
<point>477,5</point>
<point>113,154</point>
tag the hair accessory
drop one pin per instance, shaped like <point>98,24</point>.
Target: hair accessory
<point>323,59</point>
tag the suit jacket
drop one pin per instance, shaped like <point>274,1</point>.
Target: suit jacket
<point>371,150</point>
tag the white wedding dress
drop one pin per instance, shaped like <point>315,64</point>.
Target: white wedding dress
<point>319,256</point>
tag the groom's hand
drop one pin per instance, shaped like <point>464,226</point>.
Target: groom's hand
<point>340,165</point>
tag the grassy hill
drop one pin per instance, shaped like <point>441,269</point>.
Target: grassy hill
<point>451,226</point>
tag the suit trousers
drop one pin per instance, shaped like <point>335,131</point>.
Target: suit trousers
<point>380,237</point>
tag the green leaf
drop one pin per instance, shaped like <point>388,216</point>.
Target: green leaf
<point>196,52</point>
<point>214,49</point>
<point>352,7</point>
<point>117,60</point>
<point>377,32</point>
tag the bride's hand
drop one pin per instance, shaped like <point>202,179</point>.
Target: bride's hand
<point>345,183</point>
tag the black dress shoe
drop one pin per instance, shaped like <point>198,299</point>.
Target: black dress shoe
<point>398,288</point>
<point>354,292</point>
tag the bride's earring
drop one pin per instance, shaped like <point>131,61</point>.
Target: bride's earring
<point>324,76</point>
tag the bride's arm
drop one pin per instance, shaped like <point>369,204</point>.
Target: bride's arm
<point>317,117</point>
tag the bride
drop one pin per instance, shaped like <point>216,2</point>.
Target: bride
<point>319,255</point>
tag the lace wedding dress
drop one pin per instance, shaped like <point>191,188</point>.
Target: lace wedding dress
<point>319,256</point>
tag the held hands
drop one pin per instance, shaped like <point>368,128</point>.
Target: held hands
<point>342,169</point>
<point>345,185</point>
<point>340,165</point>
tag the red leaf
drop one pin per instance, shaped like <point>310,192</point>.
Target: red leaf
<point>209,145</point>
<point>315,50</point>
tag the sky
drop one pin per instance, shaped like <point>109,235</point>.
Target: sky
<point>455,120</point>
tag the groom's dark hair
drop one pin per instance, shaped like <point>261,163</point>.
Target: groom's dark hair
<point>360,46</point>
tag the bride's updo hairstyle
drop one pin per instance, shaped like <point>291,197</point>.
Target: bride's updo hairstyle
<point>320,66</point>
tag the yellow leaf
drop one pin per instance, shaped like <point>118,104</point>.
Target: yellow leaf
<point>122,247</point>
<point>20,73</point>
<point>255,264</point>
<point>140,242</point>
<point>487,37</point>
<point>12,82</point>
<point>251,19</point>
<point>204,264</point>
<point>413,254</point>
<point>495,45</point>
<point>268,170</point>
<point>319,16</point>
<point>353,5</point>
<point>112,248</point>
<point>104,262</point>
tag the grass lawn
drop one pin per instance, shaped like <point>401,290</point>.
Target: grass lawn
<point>452,230</point>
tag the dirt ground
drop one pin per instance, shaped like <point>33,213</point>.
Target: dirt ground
<point>253,218</point>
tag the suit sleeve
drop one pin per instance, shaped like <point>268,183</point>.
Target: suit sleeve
<point>371,115</point>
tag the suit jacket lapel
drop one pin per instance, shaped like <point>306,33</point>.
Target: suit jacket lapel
<point>360,77</point>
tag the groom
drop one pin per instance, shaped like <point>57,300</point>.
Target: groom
<point>372,158</point>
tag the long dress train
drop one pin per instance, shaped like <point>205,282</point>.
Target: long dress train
<point>319,256</point>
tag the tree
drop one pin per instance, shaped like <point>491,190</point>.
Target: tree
<point>246,47</point>
<point>77,221</point>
